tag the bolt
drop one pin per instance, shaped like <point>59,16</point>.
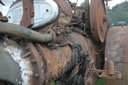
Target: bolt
<point>26,8</point>
<point>20,82</point>
<point>36,75</point>
<point>33,61</point>
<point>26,55</point>
<point>119,76</point>
<point>16,80</point>
<point>47,10</point>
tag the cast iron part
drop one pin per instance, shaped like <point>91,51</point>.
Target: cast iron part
<point>98,20</point>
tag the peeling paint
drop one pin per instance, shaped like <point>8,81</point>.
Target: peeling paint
<point>24,64</point>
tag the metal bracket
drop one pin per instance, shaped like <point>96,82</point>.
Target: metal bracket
<point>3,18</point>
<point>1,2</point>
<point>28,13</point>
<point>110,72</point>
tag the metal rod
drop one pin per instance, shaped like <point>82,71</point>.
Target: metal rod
<point>23,32</point>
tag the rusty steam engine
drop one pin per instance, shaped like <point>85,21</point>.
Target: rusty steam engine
<point>50,40</point>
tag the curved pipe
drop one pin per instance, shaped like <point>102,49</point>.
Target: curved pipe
<point>23,32</point>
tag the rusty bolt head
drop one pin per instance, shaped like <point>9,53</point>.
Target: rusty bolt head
<point>33,61</point>
<point>119,76</point>
<point>36,75</point>
<point>26,55</point>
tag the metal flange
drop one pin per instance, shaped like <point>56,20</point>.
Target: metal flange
<point>98,20</point>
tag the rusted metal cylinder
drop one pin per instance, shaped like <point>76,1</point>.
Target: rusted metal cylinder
<point>111,69</point>
<point>23,32</point>
<point>41,63</point>
<point>62,59</point>
<point>116,50</point>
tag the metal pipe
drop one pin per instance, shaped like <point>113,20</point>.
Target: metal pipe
<point>23,32</point>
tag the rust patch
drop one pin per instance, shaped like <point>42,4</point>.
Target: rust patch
<point>116,50</point>
<point>98,20</point>
<point>28,13</point>
<point>3,18</point>
<point>65,7</point>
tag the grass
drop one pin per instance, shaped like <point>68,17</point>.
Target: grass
<point>99,81</point>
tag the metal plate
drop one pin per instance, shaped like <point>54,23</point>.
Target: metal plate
<point>65,7</point>
<point>116,49</point>
<point>46,11</point>
<point>98,20</point>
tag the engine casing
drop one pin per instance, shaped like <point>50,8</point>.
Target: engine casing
<point>48,14</point>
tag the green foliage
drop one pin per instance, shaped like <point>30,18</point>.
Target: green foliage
<point>119,13</point>
<point>55,83</point>
<point>100,81</point>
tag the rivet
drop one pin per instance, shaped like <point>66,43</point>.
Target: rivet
<point>20,82</point>
<point>36,75</point>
